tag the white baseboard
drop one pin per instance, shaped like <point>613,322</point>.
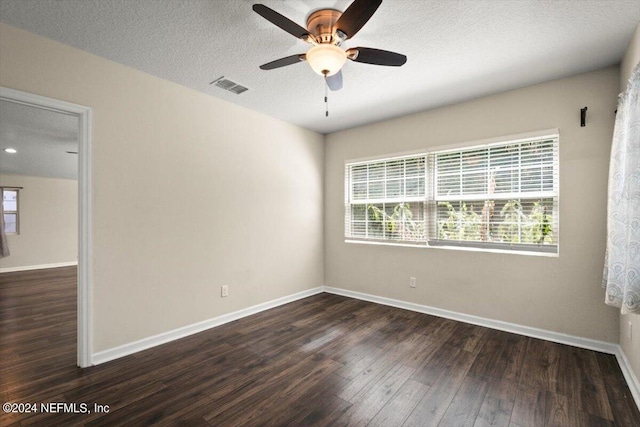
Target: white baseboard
<point>586,343</point>
<point>629,375</point>
<point>38,267</point>
<point>602,346</point>
<point>165,337</point>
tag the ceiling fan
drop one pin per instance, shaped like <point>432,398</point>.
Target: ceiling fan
<point>326,30</point>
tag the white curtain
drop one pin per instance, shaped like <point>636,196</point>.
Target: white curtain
<point>4,248</point>
<point>622,260</point>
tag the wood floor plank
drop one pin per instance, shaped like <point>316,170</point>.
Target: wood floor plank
<point>434,404</point>
<point>618,394</point>
<point>540,363</point>
<point>442,357</point>
<point>588,420</point>
<point>376,397</point>
<point>494,412</point>
<point>287,391</point>
<point>593,396</point>
<point>366,378</point>
<point>529,408</point>
<point>326,360</point>
<point>397,410</point>
<point>561,411</point>
<point>568,379</point>
<point>514,354</point>
<point>466,404</point>
<point>306,404</point>
<point>325,412</point>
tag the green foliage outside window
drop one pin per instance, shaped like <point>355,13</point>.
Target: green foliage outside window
<point>514,225</point>
<point>398,224</point>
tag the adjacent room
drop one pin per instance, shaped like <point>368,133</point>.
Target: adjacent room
<point>320,212</point>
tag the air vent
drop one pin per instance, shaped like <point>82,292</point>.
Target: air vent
<point>229,85</point>
<point>237,89</point>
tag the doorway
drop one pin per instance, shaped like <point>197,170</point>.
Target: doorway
<point>83,115</point>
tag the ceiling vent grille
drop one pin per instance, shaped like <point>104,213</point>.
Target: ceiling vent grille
<point>229,85</point>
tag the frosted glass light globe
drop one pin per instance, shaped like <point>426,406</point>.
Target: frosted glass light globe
<point>326,59</point>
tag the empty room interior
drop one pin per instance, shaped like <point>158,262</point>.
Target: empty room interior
<point>320,212</point>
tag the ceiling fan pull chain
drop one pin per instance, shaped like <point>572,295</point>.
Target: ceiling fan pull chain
<point>326,96</point>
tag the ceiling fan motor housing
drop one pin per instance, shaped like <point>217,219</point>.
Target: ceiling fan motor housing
<point>321,26</point>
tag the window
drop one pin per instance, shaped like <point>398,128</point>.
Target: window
<point>497,196</point>
<point>10,208</point>
<point>502,195</point>
<point>386,199</point>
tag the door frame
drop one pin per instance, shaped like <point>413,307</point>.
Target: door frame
<point>85,294</point>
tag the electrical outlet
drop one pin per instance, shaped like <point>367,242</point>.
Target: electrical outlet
<point>224,291</point>
<point>412,282</point>
<point>630,331</point>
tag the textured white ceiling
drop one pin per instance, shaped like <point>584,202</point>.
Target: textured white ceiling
<point>456,49</point>
<point>42,138</point>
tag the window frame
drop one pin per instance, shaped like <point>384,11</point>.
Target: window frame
<point>430,203</point>
<point>385,200</point>
<point>10,212</point>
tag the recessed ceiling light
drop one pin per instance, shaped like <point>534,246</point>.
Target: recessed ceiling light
<point>10,150</point>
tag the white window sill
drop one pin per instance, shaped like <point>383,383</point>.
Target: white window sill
<point>454,248</point>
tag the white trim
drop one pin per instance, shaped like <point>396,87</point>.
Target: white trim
<point>85,240</point>
<point>85,284</point>
<point>194,328</point>
<point>602,346</point>
<point>37,267</point>
<point>449,247</point>
<point>629,375</point>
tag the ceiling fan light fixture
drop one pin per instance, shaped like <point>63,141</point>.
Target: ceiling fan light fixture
<point>326,59</point>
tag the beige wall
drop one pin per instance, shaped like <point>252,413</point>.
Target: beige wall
<point>631,348</point>
<point>189,193</point>
<point>630,59</point>
<point>560,294</point>
<point>48,222</point>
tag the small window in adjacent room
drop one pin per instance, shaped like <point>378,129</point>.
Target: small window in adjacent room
<point>10,208</point>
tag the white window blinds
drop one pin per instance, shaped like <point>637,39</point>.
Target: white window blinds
<point>385,199</point>
<point>502,196</point>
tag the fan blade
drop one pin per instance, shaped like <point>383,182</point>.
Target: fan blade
<point>282,62</point>
<point>356,15</point>
<point>281,21</point>
<point>335,82</point>
<point>376,56</point>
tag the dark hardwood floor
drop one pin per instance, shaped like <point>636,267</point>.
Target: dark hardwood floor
<point>325,360</point>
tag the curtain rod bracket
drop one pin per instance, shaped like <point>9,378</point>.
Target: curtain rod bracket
<point>583,116</point>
